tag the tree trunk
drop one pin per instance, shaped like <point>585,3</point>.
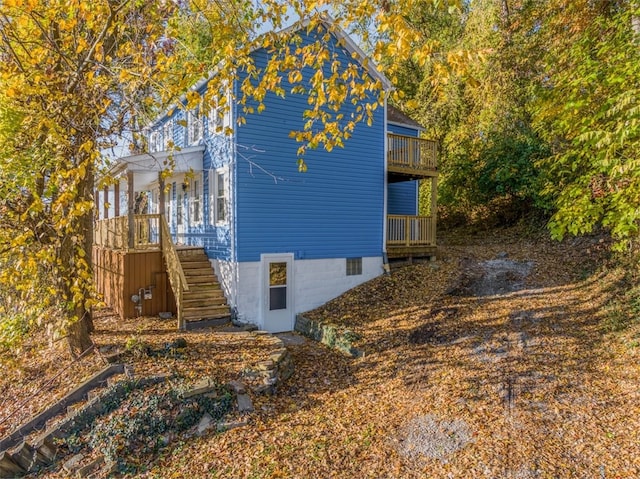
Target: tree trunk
<point>81,323</point>
<point>78,337</point>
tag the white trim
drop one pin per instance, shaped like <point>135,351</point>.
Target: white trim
<point>288,314</point>
<point>214,188</point>
<point>385,194</point>
<point>315,282</point>
<point>406,125</point>
<point>195,191</point>
<point>329,22</point>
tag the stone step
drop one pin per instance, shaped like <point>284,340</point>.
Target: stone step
<point>27,457</point>
<point>207,323</point>
<point>8,467</point>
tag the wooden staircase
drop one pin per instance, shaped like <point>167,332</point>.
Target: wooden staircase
<point>204,303</point>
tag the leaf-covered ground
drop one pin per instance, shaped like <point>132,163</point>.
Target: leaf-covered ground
<point>529,383</point>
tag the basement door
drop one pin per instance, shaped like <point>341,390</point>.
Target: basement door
<point>277,270</point>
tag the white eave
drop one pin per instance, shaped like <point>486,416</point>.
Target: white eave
<point>146,166</point>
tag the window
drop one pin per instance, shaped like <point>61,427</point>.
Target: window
<point>218,192</point>
<point>167,133</point>
<point>155,141</point>
<point>216,120</point>
<point>354,266</point>
<point>194,126</point>
<point>195,200</point>
<point>168,203</point>
<point>179,210</point>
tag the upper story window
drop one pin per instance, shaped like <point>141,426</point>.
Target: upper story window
<point>219,194</point>
<point>155,141</point>
<point>216,120</point>
<point>195,200</point>
<point>194,126</point>
<point>167,133</point>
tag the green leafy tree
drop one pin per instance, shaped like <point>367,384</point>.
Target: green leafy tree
<point>587,109</point>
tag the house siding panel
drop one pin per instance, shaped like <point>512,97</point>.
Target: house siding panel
<point>403,198</point>
<point>333,210</point>
<point>402,130</point>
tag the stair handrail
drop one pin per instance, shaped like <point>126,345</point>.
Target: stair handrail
<point>175,272</point>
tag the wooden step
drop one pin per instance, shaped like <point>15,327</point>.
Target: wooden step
<point>202,281</point>
<point>208,312</point>
<point>198,272</point>
<point>203,303</point>
<point>191,265</point>
<point>202,293</point>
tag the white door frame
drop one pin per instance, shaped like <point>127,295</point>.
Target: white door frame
<point>281,319</point>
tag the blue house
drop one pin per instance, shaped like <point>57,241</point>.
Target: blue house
<point>276,242</point>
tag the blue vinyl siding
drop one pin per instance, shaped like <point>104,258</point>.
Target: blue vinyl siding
<point>216,239</point>
<point>402,130</point>
<point>334,210</point>
<point>403,198</point>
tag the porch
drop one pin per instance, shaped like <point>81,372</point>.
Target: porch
<point>410,236</point>
<point>139,271</point>
<point>409,159</point>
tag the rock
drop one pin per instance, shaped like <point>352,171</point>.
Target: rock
<point>238,387</point>
<point>87,469</point>
<point>72,464</point>
<point>179,343</point>
<point>203,386</point>
<point>206,423</point>
<point>228,425</point>
<point>8,467</point>
<point>244,403</point>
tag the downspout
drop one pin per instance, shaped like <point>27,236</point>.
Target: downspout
<point>385,260</point>
<point>233,181</point>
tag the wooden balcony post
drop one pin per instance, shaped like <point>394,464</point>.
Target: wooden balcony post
<point>131,205</point>
<point>105,203</point>
<point>116,199</point>
<point>161,205</point>
<point>434,208</point>
<point>407,231</point>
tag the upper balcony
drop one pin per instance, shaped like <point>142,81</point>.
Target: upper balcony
<point>411,158</point>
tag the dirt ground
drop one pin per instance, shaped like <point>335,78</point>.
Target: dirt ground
<point>458,380</point>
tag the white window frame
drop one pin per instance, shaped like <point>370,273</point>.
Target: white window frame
<point>155,141</point>
<point>215,178</point>
<point>216,123</point>
<point>168,203</point>
<point>195,201</point>
<point>194,126</point>
<point>167,134</point>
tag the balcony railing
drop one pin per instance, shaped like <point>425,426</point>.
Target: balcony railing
<point>403,230</point>
<point>114,233</point>
<point>412,155</point>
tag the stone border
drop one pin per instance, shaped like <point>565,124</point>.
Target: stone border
<point>329,335</point>
<point>277,368</point>
<point>78,394</point>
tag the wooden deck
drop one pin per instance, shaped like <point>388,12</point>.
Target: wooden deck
<point>411,158</point>
<point>410,236</point>
<point>135,257</point>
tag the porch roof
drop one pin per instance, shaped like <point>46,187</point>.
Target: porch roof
<point>146,166</point>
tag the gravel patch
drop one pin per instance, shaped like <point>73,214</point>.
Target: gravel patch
<point>426,436</point>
